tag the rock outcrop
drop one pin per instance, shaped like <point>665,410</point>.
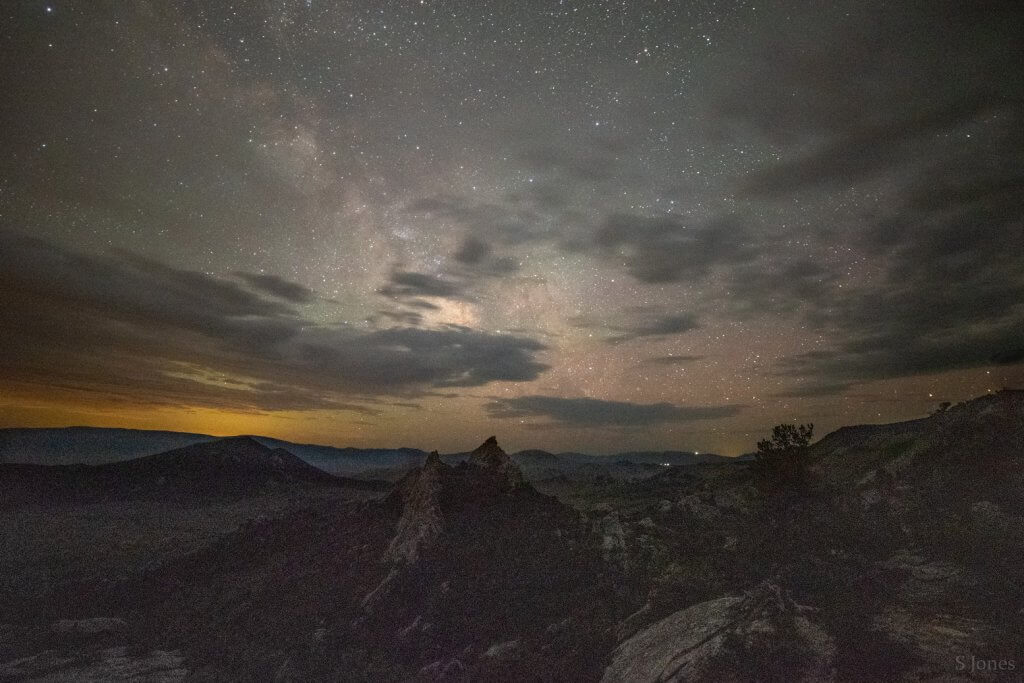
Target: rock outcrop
<point>731,638</point>
<point>422,493</point>
<point>421,520</point>
<point>490,456</point>
<point>426,494</point>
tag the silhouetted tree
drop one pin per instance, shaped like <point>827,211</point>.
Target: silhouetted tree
<point>943,407</point>
<point>786,437</point>
<point>783,456</point>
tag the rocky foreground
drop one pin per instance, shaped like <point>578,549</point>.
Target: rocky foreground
<point>898,558</point>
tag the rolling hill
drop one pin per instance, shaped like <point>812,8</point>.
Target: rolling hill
<point>232,467</point>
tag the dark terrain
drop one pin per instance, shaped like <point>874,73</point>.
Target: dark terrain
<point>897,557</point>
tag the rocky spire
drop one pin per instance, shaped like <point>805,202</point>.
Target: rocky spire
<point>489,472</point>
<point>489,455</point>
<point>421,518</point>
<point>433,461</point>
<point>421,492</point>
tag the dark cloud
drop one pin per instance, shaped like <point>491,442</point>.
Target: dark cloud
<point>949,293</point>
<point>860,152</point>
<point>120,325</point>
<point>422,305</point>
<point>503,265</point>
<point>954,309</point>
<point>598,413</point>
<point>669,324</point>
<point>405,284</point>
<point>1009,356</point>
<point>660,326</point>
<point>878,89</point>
<point>396,358</point>
<point>899,353</point>
<point>636,323</point>
<point>138,291</point>
<point>476,259</point>
<point>920,107</point>
<point>780,286</point>
<point>407,318</point>
<point>669,248</point>
<point>674,360</point>
<point>507,222</point>
<point>814,389</point>
<point>472,251</point>
<point>279,287</point>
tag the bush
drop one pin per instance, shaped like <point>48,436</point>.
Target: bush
<point>783,457</point>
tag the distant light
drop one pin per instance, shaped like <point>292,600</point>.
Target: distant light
<point>666,464</point>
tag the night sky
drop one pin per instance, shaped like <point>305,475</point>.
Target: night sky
<point>577,225</point>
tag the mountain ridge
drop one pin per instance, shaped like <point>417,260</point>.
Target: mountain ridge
<point>232,467</point>
<point>98,445</point>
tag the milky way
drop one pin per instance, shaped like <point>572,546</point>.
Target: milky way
<point>579,225</point>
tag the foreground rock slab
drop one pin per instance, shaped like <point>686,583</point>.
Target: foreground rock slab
<point>750,637</point>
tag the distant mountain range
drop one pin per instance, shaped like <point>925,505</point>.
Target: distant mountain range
<point>226,468</point>
<point>96,445</point>
<point>88,445</point>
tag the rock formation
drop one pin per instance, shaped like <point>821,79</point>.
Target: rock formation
<point>750,637</point>
<point>424,491</point>
<point>490,456</point>
<point>421,521</point>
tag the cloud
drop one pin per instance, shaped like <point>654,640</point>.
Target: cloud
<point>594,412</point>
<point>781,285</point>
<point>859,152</point>
<point>1009,357</point>
<point>398,358</point>
<point>674,360</point>
<point>949,294</point>
<point>866,91</point>
<point>660,326</point>
<point>279,287</point>
<point>668,324</point>
<point>919,108</point>
<point>814,389</point>
<point>118,325</point>
<point>404,284</point>
<point>472,251</point>
<point>476,259</point>
<point>668,248</point>
<point>508,222</point>
<point>407,318</point>
<point>922,318</point>
<point>637,323</point>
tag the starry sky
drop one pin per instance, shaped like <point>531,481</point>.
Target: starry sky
<point>579,225</point>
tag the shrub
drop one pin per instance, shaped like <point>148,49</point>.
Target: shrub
<point>783,457</point>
